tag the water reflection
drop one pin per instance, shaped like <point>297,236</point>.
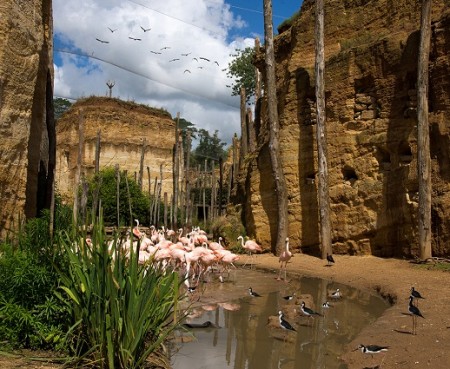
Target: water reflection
<point>245,332</point>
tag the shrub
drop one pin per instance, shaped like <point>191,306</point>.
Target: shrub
<point>122,311</point>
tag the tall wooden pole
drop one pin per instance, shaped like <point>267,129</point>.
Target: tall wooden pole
<point>244,134</point>
<point>116,168</point>
<point>274,144</point>
<point>423,134</point>
<point>219,203</point>
<point>141,166</point>
<point>76,202</point>
<point>321,136</point>
<point>97,177</point>
<point>257,74</point>
<point>176,173</point>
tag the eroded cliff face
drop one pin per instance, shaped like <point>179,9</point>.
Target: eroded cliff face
<point>371,52</point>
<point>123,128</point>
<point>26,118</point>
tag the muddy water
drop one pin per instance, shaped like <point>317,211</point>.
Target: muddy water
<point>243,331</point>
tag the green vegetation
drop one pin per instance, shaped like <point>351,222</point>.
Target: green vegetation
<point>140,202</point>
<point>243,72</point>
<point>122,311</point>
<point>286,24</point>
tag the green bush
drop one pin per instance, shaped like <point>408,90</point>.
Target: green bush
<point>121,311</point>
<point>140,203</point>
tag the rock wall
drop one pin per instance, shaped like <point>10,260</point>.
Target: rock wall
<point>26,118</point>
<point>371,52</point>
<point>123,127</point>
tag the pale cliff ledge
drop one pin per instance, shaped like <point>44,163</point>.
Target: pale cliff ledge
<point>371,67</point>
<point>124,128</point>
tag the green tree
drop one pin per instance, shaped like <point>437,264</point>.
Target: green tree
<point>243,72</point>
<point>108,195</point>
<point>61,106</point>
<point>209,147</point>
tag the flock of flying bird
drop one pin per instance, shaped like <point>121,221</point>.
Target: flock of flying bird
<point>162,49</point>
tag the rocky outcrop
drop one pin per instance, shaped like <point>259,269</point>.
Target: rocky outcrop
<point>27,129</point>
<point>371,52</point>
<point>124,128</point>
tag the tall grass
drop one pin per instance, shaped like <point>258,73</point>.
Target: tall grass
<point>123,311</point>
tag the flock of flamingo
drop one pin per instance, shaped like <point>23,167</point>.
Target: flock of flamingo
<point>191,254</point>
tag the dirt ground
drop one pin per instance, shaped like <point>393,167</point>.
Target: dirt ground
<point>391,278</point>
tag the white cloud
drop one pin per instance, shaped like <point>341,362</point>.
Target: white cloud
<point>194,87</point>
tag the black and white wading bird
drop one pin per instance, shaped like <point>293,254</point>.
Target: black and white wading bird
<point>415,295</point>
<point>284,324</point>
<point>372,349</point>
<point>415,312</point>
<point>253,293</point>
<point>289,297</point>
<point>336,294</point>
<point>308,311</point>
<point>330,260</point>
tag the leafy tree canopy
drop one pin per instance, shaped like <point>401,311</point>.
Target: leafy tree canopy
<point>242,71</point>
<point>60,106</point>
<point>209,147</point>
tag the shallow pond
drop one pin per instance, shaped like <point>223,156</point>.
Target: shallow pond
<point>245,332</point>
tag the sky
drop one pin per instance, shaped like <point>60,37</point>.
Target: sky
<point>169,54</point>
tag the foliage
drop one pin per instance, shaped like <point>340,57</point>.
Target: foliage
<point>30,316</point>
<point>209,147</point>
<point>122,311</point>
<point>60,106</point>
<point>107,181</point>
<point>287,23</point>
<point>229,228</point>
<point>243,72</point>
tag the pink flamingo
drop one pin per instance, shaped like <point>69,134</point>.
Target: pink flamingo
<point>251,246</point>
<point>284,258</point>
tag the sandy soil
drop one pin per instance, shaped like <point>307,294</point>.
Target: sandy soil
<point>392,279</point>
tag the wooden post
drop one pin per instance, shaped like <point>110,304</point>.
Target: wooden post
<point>220,186</point>
<point>79,164</point>
<point>84,198</point>
<point>176,173</point>
<point>321,136</point>
<point>96,192</point>
<point>165,209</point>
<point>125,173</point>
<point>423,135</point>
<point>149,196</point>
<point>116,168</point>
<point>204,191</point>
<point>274,143</point>
<point>153,206</point>
<point>244,135</point>
<point>187,175</point>
<point>141,166</point>
<point>251,131</point>
<point>213,193</point>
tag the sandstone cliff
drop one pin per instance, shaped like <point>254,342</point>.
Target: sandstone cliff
<point>370,79</point>
<point>27,130</point>
<point>123,128</point>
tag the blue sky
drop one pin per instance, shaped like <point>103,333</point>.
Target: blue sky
<point>178,64</point>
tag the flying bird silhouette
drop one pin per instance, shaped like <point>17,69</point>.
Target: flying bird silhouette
<point>145,29</point>
<point>112,30</point>
<point>186,54</point>
<point>216,62</point>
<point>102,41</point>
<point>134,38</point>
<point>187,70</point>
<point>172,60</point>
<point>201,57</point>
<point>155,52</point>
<point>165,47</point>
<point>195,59</point>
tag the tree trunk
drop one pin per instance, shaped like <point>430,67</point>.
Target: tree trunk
<point>141,166</point>
<point>244,135</point>
<point>219,202</point>
<point>321,135</point>
<point>176,174</point>
<point>423,134</point>
<point>274,145</point>
<point>76,201</point>
<point>187,176</point>
<point>96,193</point>
<point>116,168</point>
